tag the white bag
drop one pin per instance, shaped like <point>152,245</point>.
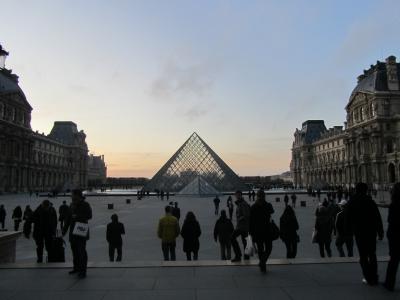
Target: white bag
<point>81,229</point>
<point>249,246</point>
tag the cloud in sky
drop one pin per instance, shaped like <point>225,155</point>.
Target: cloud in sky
<point>370,33</point>
<point>180,81</point>
<point>242,74</point>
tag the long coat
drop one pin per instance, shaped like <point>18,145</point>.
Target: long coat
<point>45,222</point>
<point>288,227</point>
<point>191,232</point>
<point>260,218</point>
<point>223,230</point>
<point>324,226</point>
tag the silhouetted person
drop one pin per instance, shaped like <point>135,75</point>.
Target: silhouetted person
<point>393,235</point>
<point>253,195</point>
<point>176,211</point>
<point>191,232</point>
<point>63,213</point>
<point>260,222</point>
<point>168,230</point>
<point>17,217</point>
<point>324,228</point>
<point>162,195</point>
<point>27,213</point>
<point>115,230</point>
<point>79,214</point>
<point>223,230</point>
<point>216,205</point>
<point>167,195</point>
<point>44,220</point>
<point>365,221</point>
<point>229,204</point>
<point>286,199</point>
<point>344,236</point>
<point>294,199</point>
<point>242,226</point>
<point>288,231</point>
<point>3,214</point>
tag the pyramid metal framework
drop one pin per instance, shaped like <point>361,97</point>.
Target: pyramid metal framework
<point>195,159</point>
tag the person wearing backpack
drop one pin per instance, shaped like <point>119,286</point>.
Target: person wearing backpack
<point>260,228</point>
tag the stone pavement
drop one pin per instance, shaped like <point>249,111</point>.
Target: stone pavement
<point>295,281</point>
<point>141,218</point>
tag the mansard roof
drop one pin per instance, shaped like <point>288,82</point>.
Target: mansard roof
<point>374,79</point>
<point>9,85</point>
<point>311,130</point>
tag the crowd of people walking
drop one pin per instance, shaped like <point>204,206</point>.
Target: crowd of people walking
<point>355,220</point>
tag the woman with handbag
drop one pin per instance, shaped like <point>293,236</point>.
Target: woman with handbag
<point>288,231</point>
<point>260,223</point>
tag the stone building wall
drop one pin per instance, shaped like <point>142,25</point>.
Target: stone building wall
<point>30,161</point>
<point>368,148</point>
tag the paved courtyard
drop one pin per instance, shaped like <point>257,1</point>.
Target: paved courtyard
<point>282,282</point>
<point>141,218</point>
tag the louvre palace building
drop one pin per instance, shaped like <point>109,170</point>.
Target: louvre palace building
<point>32,161</point>
<point>367,148</point>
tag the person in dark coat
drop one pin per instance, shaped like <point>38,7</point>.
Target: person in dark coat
<point>294,199</point>
<point>191,233</point>
<point>222,233</point>
<point>242,226</point>
<point>115,230</point>
<point>364,220</point>
<point>229,204</point>
<point>324,228</point>
<point>288,231</point>
<point>80,212</point>
<point>286,199</point>
<point>216,205</point>
<point>27,213</point>
<point>63,212</point>
<point>343,235</point>
<point>260,220</point>
<point>393,235</point>
<point>44,220</point>
<point>176,211</point>
<point>2,216</point>
<point>17,217</point>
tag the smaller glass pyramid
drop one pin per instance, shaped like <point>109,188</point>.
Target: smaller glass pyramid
<point>195,164</point>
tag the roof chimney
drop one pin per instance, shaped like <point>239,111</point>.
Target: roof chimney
<point>3,56</point>
<point>392,75</point>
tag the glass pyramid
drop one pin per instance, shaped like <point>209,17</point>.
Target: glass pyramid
<point>194,160</point>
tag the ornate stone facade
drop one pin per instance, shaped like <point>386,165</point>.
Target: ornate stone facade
<point>30,161</point>
<point>97,170</point>
<point>367,149</point>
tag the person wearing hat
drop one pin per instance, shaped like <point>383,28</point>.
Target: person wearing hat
<point>343,234</point>
<point>115,230</point>
<point>76,222</point>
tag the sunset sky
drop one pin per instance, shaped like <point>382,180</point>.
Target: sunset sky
<point>140,76</point>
